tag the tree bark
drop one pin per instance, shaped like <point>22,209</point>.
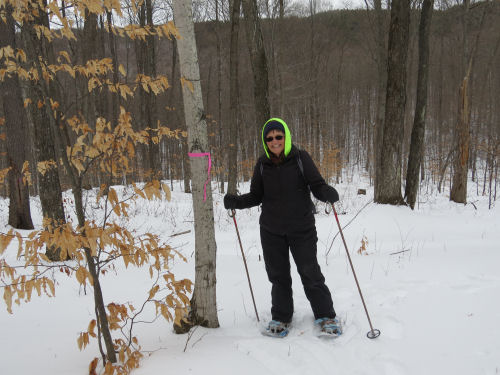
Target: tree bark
<point>389,189</point>
<point>458,191</point>
<point>282,9</point>
<point>418,131</point>
<point>89,52</point>
<point>115,98</point>
<point>381,91</point>
<point>203,303</point>
<point>16,134</point>
<point>233,99</point>
<point>258,60</point>
<point>151,112</point>
<point>45,145</point>
<point>146,64</point>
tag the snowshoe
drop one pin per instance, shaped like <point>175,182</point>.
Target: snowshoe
<point>277,329</point>
<point>328,327</point>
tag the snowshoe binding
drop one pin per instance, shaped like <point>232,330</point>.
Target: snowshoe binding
<point>277,329</point>
<point>328,327</point>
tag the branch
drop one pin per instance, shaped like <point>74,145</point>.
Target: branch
<point>190,334</point>
<point>362,208</point>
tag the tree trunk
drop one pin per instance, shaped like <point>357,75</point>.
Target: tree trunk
<point>115,98</point>
<point>151,112</point>
<point>233,99</point>
<point>220,120</point>
<point>146,64</point>
<point>389,185</point>
<point>458,192</point>
<point>203,303</point>
<point>282,9</point>
<point>45,145</point>
<point>418,131</point>
<point>381,92</point>
<point>16,134</point>
<point>94,271</point>
<point>89,52</point>
<point>258,60</point>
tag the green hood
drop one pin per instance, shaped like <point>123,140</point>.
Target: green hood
<point>288,137</point>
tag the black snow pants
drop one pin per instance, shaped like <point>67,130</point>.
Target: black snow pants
<point>302,245</point>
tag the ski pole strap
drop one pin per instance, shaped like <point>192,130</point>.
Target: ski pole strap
<point>198,155</point>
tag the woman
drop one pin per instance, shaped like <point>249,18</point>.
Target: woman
<point>282,180</point>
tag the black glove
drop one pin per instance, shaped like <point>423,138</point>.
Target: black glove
<point>331,195</point>
<point>230,201</point>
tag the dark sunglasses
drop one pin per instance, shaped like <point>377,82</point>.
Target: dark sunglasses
<point>270,139</point>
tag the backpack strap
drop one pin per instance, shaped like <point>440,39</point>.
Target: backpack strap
<point>301,168</point>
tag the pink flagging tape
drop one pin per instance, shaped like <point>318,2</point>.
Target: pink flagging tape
<point>200,155</point>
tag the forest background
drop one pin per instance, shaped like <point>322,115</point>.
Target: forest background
<point>323,80</point>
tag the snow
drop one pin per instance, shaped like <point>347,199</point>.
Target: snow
<point>430,279</point>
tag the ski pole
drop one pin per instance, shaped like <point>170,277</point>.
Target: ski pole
<point>374,333</point>
<point>232,214</point>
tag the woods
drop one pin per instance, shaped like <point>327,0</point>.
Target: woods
<point>143,94</point>
<point>332,91</point>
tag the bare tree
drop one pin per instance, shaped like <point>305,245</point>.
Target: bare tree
<point>258,60</point>
<point>16,134</point>
<point>43,125</point>
<point>389,184</point>
<point>233,98</point>
<point>203,303</point>
<point>381,58</point>
<point>146,64</point>
<point>418,131</point>
<point>115,99</point>
<point>461,160</point>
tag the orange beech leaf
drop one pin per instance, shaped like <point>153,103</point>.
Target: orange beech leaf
<point>112,196</point>
<point>28,288</point>
<point>153,291</point>
<point>81,275</point>
<point>51,287</point>
<point>44,166</point>
<point>7,296</point>
<point>93,366</point>
<point>166,189</point>
<point>91,328</point>
<point>65,54</point>
<point>121,69</point>
<point>109,369</point>
<point>5,240</point>
<point>54,8</point>
<point>188,83</point>
<point>79,341</point>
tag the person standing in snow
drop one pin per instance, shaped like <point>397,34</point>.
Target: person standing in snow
<point>282,181</point>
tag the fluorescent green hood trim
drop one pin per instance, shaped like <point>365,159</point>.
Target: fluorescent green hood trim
<point>288,137</point>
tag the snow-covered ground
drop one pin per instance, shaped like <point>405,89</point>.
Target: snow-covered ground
<point>430,278</point>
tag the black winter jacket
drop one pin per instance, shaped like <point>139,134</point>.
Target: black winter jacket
<point>282,190</point>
